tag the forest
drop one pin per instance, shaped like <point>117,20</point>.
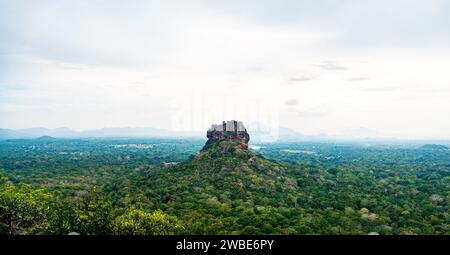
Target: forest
<point>165,186</point>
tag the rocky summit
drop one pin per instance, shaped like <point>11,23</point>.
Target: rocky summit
<point>230,132</point>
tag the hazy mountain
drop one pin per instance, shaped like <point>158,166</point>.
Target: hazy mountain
<point>94,133</point>
<point>358,133</point>
<point>287,134</point>
<point>262,133</point>
<point>258,133</point>
<point>126,132</point>
<point>46,138</point>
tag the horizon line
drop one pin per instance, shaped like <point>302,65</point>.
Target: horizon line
<point>323,136</point>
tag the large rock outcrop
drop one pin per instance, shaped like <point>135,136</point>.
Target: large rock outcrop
<point>230,131</point>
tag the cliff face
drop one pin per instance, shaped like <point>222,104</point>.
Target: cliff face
<point>231,131</point>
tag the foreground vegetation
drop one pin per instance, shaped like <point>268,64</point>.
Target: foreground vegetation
<point>133,186</point>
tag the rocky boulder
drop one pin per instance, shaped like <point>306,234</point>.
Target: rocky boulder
<point>230,131</point>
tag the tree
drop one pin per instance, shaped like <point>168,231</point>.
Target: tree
<point>63,218</point>
<point>23,210</point>
<point>94,215</point>
<point>139,222</point>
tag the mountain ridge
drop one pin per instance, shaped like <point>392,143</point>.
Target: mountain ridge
<point>284,134</point>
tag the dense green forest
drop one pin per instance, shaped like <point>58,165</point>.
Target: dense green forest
<point>165,186</point>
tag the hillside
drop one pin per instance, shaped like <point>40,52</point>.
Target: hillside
<point>222,181</point>
<point>228,189</point>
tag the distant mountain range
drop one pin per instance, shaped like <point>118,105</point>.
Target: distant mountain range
<point>94,133</point>
<point>284,134</point>
<point>258,133</point>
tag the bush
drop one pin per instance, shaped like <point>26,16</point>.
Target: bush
<point>138,222</point>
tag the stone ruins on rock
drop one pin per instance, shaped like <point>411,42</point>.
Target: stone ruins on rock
<point>228,131</point>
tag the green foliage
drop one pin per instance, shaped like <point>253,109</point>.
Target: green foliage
<point>91,215</point>
<point>22,209</point>
<point>289,188</point>
<point>63,218</point>
<point>138,222</point>
<point>94,215</point>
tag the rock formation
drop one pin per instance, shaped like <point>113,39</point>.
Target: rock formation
<point>233,131</point>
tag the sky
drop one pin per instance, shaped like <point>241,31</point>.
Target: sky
<point>323,66</point>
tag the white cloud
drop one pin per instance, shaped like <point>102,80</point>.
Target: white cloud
<point>102,64</point>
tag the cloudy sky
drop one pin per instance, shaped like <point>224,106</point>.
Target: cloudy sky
<point>314,66</point>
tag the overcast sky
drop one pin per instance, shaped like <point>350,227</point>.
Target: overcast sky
<point>314,66</point>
